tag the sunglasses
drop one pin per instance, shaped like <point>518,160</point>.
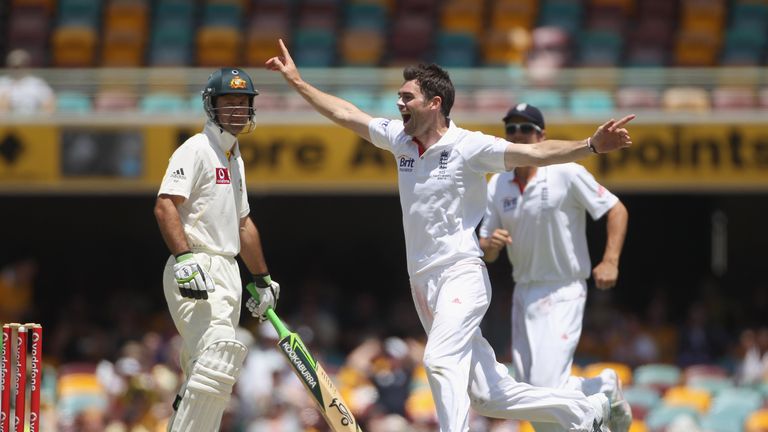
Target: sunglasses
<point>524,128</point>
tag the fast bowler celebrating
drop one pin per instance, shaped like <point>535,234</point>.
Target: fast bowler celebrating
<point>203,214</point>
<point>441,176</point>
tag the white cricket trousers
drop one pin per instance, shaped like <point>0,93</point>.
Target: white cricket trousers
<point>451,302</point>
<point>203,322</point>
<point>546,327</point>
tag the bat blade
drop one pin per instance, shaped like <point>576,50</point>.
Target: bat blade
<point>311,374</point>
<point>319,385</point>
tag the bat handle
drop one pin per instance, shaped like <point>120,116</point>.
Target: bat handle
<point>282,330</point>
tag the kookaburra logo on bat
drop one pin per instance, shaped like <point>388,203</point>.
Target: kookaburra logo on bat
<point>347,418</point>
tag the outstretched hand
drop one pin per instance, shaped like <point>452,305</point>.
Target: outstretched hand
<point>284,64</point>
<point>612,135</point>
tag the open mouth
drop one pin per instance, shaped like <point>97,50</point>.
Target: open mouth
<point>406,117</point>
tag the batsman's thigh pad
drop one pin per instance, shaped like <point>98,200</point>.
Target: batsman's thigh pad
<point>206,393</point>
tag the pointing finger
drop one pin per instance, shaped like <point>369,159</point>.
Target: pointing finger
<point>625,120</point>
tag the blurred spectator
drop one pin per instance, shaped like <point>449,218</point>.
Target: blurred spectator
<point>632,344</point>
<point>17,289</point>
<point>21,92</point>
<point>754,364</point>
<point>701,340</point>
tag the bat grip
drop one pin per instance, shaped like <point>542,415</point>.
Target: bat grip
<point>282,330</point>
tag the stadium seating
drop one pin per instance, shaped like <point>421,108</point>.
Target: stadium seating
<point>658,376</point>
<point>72,102</point>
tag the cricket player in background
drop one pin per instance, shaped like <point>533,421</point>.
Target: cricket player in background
<point>442,187</point>
<point>203,214</point>
<point>538,214</point>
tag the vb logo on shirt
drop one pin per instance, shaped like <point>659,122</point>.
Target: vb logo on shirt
<point>222,176</point>
<point>405,163</point>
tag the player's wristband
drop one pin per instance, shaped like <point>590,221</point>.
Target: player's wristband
<point>262,280</point>
<point>184,256</point>
<point>590,146</point>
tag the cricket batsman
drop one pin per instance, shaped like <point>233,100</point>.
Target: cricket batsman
<point>203,214</point>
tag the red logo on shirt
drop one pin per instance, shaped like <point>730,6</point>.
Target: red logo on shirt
<point>222,176</point>
<point>600,191</point>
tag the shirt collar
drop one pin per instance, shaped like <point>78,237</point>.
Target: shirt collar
<point>223,139</point>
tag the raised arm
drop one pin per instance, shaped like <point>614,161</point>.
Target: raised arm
<point>609,137</point>
<point>338,110</point>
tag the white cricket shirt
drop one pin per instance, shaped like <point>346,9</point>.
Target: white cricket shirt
<point>213,183</point>
<point>442,192</point>
<point>547,221</point>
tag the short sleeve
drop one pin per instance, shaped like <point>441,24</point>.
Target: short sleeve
<point>491,221</point>
<point>181,173</point>
<point>485,153</point>
<point>591,194</point>
<point>383,132</point>
<point>245,208</point>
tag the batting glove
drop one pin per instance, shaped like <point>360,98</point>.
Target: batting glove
<point>194,282</point>
<point>267,292</point>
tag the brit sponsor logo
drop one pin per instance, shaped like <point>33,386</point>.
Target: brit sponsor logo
<point>405,163</point>
<point>222,176</point>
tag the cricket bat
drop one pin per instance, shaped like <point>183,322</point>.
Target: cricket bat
<point>312,375</point>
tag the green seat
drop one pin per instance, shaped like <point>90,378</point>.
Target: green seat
<point>591,102</point>
<point>456,50</point>
<point>159,103</point>
<point>72,102</point>
<point>366,16</point>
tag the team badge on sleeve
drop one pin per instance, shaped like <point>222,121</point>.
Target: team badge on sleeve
<point>222,176</point>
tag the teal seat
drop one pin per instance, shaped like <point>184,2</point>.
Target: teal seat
<point>160,103</point>
<point>662,415</point>
<point>744,45</point>
<point>589,102</point>
<point>386,105</point>
<point>737,399</point>
<point>85,13</point>
<point>366,16</point>
<point>657,375</point>
<point>544,99</point>
<point>222,15</point>
<point>725,421</point>
<point>642,396</point>
<point>71,102</point>
<point>565,14</point>
<point>599,48</point>
<point>364,99</point>
<point>714,385</point>
<point>749,15</point>
<point>456,50</point>
<point>174,10</point>
<point>196,103</point>
<point>314,48</point>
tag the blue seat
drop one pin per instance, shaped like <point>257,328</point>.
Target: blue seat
<point>162,102</point>
<point>386,105</point>
<point>174,9</point>
<point>72,102</point>
<point>591,102</point>
<point>456,50</point>
<point>565,14</point>
<point>362,98</point>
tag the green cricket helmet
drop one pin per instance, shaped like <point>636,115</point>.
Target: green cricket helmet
<point>228,81</point>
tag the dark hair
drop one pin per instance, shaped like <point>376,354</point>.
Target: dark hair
<point>433,81</point>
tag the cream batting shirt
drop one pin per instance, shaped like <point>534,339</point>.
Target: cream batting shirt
<point>442,192</point>
<point>547,221</point>
<point>213,183</point>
